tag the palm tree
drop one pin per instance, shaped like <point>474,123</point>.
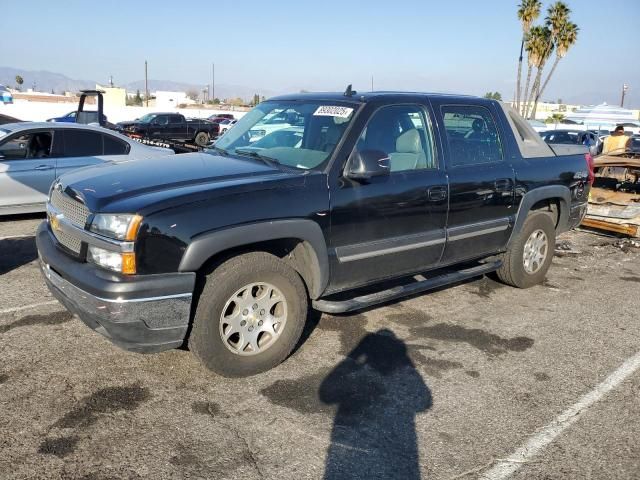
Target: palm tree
<point>556,21</point>
<point>528,12</point>
<point>532,60</point>
<point>565,40</point>
<point>541,48</point>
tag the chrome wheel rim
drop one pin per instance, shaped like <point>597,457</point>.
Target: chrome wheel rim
<point>535,252</point>
<point>253,319</point>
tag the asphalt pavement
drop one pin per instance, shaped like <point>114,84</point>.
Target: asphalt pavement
<point>445,385</point>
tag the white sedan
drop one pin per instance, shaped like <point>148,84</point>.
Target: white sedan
<point>33,155</point>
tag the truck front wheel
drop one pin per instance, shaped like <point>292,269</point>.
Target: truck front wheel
<point>202,139</point>
<point>529,256</point>
<point>250,315</point>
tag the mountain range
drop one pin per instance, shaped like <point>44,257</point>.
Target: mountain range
<point>45,81</point>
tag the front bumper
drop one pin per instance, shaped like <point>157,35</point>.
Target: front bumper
<point>145,313</point>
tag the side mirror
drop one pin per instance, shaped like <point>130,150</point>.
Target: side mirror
<point>366,164</point>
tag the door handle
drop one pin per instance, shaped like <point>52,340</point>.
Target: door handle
<point>503,185</point>
<point>44,167</point>
<point>437,193</point>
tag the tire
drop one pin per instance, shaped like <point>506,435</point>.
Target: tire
<point>202,139</point>
<point>518,269</point>
<point>245,276</point>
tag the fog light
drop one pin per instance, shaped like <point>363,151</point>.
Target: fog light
<point>118,262</point>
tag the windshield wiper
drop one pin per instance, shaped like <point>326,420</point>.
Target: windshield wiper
<point>219,150</point>
<point>272,162</point>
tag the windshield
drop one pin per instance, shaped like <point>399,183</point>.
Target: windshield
<point>295,134</point>
<point>147,118</point>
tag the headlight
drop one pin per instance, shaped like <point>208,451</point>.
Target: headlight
<point>118,262</point>
<point>119,227</point>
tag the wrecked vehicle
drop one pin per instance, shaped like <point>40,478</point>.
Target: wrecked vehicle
<point>226,250</point>
<point>614,202</point>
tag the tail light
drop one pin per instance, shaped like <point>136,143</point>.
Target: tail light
<point>590,168</point>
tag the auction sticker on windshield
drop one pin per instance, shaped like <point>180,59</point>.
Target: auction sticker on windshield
<point>333,111</point>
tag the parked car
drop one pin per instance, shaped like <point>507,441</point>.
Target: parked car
<point>32,155</point>
<point>218,117</point>
<point>70,118</point>
<point>226,124</point>
<point>7,119</point>
<point>574,137</point>
<point>66,118</point>
<point>226,250</point>
<point>171,127</point>
<point>5,95</point>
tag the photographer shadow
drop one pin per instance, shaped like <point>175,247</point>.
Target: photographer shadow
<point>378,393</point>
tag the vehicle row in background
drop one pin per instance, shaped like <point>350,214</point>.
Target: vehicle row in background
<point>33,155</point>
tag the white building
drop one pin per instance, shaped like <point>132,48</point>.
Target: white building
<point>169,100</point>
<point>604,116</point>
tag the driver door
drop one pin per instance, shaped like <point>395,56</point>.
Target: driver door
<point>392,224</point>
<point>26,171</point>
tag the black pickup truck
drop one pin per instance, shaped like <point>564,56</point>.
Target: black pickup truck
<point>171,127</point>
<point>225,250</point>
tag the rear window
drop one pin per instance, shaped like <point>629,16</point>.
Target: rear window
<point>472,135</point>
<point>115,146</point>
<point>82,143</point>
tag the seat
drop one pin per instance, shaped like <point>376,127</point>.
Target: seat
<point>409,154</point>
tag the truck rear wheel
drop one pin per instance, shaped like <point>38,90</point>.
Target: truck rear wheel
<point>202,139</point>
<point>529,257</point>
<point>250,315</point>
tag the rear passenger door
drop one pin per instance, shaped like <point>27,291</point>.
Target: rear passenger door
<point>178,127</point>
<point>80,148</point>
<point>481,181</point>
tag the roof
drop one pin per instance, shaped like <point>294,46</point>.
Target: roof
<point>362,97</point>
<point>16,127</point>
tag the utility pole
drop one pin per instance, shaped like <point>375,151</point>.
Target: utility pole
<point>146,84</point>
<point>372,83</point>
<point>213,81</point>
<point>625,87</point>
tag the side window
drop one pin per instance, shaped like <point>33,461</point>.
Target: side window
<point>175,119</point>
<point>115,146</point>
<point>33,145</point>
<point>472,135</point>
<point>402,132</point>
<point>82,143</point>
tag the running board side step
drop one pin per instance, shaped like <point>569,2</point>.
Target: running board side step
<point>371,299</point>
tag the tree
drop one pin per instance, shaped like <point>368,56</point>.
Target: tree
<point>216,101</point>
<point>528,12</point>
<point>555,118</point>
<point>531,47</point>
<point>564,41</point>
<point>541,48</point>
<point>192,94</point>
<point>256,99</point>
<point>19,82</point>
<point>493,96</point>
<point>556,21</point>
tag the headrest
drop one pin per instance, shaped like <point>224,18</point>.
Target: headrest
<point>409,142</point>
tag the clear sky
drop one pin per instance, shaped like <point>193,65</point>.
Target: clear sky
<point>456,45</point>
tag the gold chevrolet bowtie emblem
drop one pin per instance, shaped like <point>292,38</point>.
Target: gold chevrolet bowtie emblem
<point>55,222</point>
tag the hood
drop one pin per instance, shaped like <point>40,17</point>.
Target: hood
<point>136,185</point>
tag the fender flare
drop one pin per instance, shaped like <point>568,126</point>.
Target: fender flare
<point>549,192</point>
<point>206,245</point>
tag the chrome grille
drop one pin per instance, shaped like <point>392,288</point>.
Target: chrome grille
<point>70,241</point>
<point>75,212</point>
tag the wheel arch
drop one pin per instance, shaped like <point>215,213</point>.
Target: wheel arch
<point>298,242</point>
<point>556,198</point>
